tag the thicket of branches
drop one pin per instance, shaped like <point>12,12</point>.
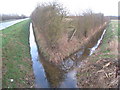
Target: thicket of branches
<point>86,22</point>
<point>12,16</point>
<point>49,20</point>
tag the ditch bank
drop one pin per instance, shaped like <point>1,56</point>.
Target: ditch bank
<point>17,69</point>
<point>99,70</point>
<point>64,75</point>
<point>67,49</point>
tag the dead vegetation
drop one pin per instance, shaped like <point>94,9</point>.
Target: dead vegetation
<point>59,35</point>
<point>98,74</point>
<point>101,69</point>
<point>48,18</point>
<point>87,23</point>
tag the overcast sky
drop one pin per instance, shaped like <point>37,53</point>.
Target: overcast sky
<point>108,7</point>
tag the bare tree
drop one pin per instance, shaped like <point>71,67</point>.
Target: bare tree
<point>48,17</point>
<point>86,22</point>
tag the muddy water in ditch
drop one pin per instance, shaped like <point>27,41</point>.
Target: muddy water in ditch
<point>48,75</point>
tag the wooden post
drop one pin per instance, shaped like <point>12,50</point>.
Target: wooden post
<point>72,35</point>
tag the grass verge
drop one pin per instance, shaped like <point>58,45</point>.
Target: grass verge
<point>16,63</point>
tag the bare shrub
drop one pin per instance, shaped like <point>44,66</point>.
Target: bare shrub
<point>86,22</point>
<point>48,18</point>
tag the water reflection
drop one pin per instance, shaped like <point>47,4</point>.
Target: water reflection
<point>54,74</point>
<point>83,52</point>
<point>70,81</point>
<point>64,75</point>
<point>39,72</point>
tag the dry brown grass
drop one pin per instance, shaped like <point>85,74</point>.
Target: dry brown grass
<point>53,30</point>
<point>65,48</point>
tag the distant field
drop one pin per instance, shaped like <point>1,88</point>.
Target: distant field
<point>16,62</point>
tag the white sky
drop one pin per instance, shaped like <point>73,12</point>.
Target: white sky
<point>108,7</point>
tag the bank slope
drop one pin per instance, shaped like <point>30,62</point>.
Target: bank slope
<point>16,63</point>
<point>99,70</point>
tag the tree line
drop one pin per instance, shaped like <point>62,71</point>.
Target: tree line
<point>12,16</point>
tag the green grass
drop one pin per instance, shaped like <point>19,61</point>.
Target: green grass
<point>15,55</point>
<point>119,30</point>
<point>111,33</point>
<point>105,52</point>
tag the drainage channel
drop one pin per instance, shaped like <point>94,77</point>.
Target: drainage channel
<point>39,73</point>
<point>47,75</point>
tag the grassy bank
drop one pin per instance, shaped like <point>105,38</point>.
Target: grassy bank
<point>16,63</point>
<point>99,70</point>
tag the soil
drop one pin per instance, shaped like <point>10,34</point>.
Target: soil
<point>100,73</point>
